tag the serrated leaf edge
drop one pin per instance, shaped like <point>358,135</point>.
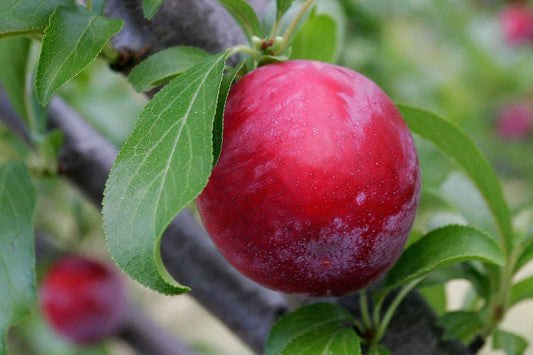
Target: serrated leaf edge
<point>421,273</point>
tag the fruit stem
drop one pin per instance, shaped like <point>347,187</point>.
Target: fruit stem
<point>392,308</point>
<point>359,326</point>
<point>89,4</point>
<point>500,302</point>
<point>275,28</point>
<point>292,27</point>
<point>28,110</point>
<point>244,49</point>
<point>377,307</point>
<point>364,309</point>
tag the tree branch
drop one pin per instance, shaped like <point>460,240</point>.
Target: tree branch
<point>200,23</point>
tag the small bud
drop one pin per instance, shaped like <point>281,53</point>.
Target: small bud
<point>257,42</point>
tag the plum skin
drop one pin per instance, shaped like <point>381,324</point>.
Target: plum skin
<point>515,122</point>
<point>517,24</point>
<point>82,299</point>
<point>318,182</point>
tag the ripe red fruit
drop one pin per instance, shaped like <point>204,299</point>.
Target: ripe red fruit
<point>83,299</point>
<point>517,24</point>
<point>515,122</point>
<point>318,181</point>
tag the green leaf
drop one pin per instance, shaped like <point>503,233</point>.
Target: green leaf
<point>471,300</point>
<point>527,253</point>
<point>27,15</point>
<point>443,247</point>
<point>98,6</point>
<point>218,124</point>
<point>163,165</point>
<point>414,236</point>
<point>17,259</point>
<point>13,58</point>
<point>460,325</point>
<point>435,296</point>
<point>314,329</point>
<point>379,350</point>
<point>330,339</point>
<point>521,291</point>
<point>164,65</point>
<point>453,142</point>
<point>72,41</point>
<point>461,193</point>
<point>511,343</point>
<point>282,6</point>
<point>245,16</point>
<point>44,159</point>
<point>443,275</point>
<point>150,8</point>
<point>316,40</point>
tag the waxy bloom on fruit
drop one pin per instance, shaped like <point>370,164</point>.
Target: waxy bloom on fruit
<point>318,182</point>
<point>82,299</point>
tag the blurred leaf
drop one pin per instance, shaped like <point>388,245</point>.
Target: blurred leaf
<point>13,58</point>
<point>465,270</point>
<point>270,17</point>
<point>461,193</point>
<point>511,343</point>
<point>164,164</point>
<point>452,141</point>
<point>527,253</point>
<point>164,65</point>
<point>11,146</point>
<point>72,41</point>
<point>98,6</point>
<point>337,13</point>
<point>37,112</point>
<point>521,291</point>
<point>478,278</point>
<point>106,100</point>
<point>282,6</point>
<point>435,296</point>
<point>245,16</point>
<point>40,339</point>
<point>320,328</point>
<point>443,247</point>
<point>379,350</point>
<point>443,275</point>
<point>27,15</point>
<point>316,40</point>
<point>44,159</point>
<point>150,8</point>
<point>218,124</point>
<point>17,259</point>
<point>460,325</point>
<point>414,236</point>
